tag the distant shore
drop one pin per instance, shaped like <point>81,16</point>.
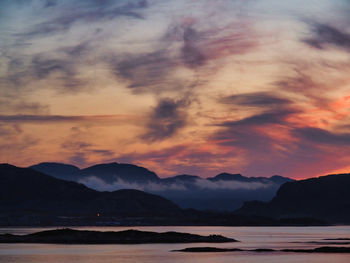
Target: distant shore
<point>221,250</point>
<point>71,236</point>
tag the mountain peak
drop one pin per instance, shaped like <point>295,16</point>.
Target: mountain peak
<point>227,177</point>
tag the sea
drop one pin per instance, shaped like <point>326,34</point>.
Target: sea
<point>249,237</point>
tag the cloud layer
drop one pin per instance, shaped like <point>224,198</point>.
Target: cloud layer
<point>182,86</point>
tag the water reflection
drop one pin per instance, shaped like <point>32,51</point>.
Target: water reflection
<point>250,237</point>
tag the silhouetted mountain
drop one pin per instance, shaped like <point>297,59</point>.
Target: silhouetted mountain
<point>222,192</point>
<point>228,177</point>
<point>59,170</point>
<point>326,198</point>
<point>127,172</point>
<point>239,178</point>
<point>24,190</point>
<point>108,173</point>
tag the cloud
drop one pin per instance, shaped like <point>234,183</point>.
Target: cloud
<point>41,67</point>
<point>66,118</point>
<point>255,99</point>
<point>191,45</point>
<point>81,149</point>
<point>321,136</point>
<point>98,184</point>
<point>325,36</point>
<point>166,119</point>
<point>304,83</point>
<point>19,105</point>
<point>192,56</point>
<point>9,130</point>
<point>202,159</point>
<point>86,13</point>
<point>281,135</point>
<point>201,44</point>
<point>147,72</point>
<point>181,187</point>
<point>270,117</point>
<point>230,185</point>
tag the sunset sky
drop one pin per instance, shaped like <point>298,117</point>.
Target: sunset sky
<point>258,87</point>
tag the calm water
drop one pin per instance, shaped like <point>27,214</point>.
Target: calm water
<point>250,237</point>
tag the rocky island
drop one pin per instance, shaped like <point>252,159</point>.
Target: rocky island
<point>219,250</point>
<point>72,236</point>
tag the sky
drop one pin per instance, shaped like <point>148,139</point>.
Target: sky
<point>258,87</point>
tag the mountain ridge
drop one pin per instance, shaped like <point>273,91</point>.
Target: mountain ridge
<point>23,189</point>
<point>224,191</point>
<point>324,197</point>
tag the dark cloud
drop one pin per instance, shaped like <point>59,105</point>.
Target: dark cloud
<point>18,105</point>
<point>324,36</point>
<point>50,3</point>
<point>77,51</point>
<point>166,119</point>
<point>43,66</point>
<point>147,72</point>
<point>273,143</point>
<point>250,134</point>
<point>192,56</point>
<point>38,118</point>
<point>255,99</point>
<point>271,117</point>
<point>321,136</point>
<point>87,13</point>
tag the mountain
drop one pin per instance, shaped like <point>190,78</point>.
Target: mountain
<point>222,192</point>
<point>31,198</point>
<point>26,191</point>
<point>225,191</point>
<point>239,178</point>
<point>108,173</point>
<point>326,198</point>
<point>228,177</point>
<point>59,170</point>
<point>127,172</point>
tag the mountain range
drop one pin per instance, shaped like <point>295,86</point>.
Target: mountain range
<point>28,191</point>
<point>27,196</point>
<point>225,191</point>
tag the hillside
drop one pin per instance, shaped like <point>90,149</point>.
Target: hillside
<point>24,190</point>
<point>326,198</point>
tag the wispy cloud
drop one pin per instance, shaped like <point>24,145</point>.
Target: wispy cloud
<point>66,118</point>
<point>159,187</point>
<point>84,13</point>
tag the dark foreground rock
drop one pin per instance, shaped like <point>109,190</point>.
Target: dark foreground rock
<point>71,236</point>
<point>326,198</point>
<point>218,250</point>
